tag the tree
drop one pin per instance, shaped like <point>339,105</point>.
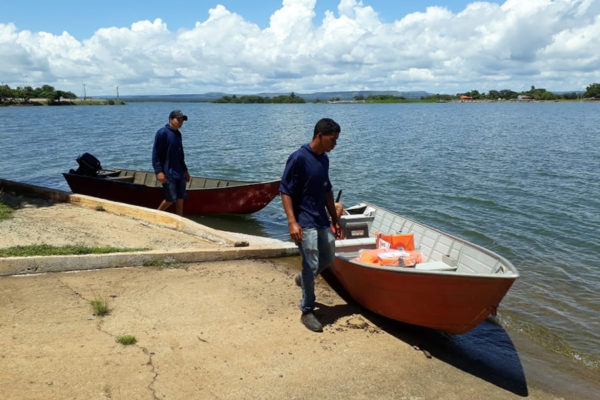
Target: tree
<point>592,90</point>
<point>291,98</point>
<point>507,94</point>
<point>541,94</point>
<point>474,94</point>
<point>67,95</point>
<point>570,96</point>
<point>5,93</point>
<point>384,98</point>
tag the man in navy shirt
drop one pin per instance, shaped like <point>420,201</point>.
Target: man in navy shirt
<point>307,198</point>
<point>169,162</point>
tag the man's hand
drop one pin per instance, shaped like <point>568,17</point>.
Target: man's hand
<point>186,176</point>
<point>296,232</point>
<point>161,177</point>
<point>338,230</point>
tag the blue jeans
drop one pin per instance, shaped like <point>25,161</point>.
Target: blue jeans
<point>317,250</point>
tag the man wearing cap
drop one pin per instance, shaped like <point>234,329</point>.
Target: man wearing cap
<point>169,162</point>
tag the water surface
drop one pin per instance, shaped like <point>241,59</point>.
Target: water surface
<point>520,179</point>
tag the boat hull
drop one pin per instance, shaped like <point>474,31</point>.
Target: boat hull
<point>234,197</point>
<point>449,303</point>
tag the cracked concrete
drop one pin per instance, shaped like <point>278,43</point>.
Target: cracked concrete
<point>218,330</point>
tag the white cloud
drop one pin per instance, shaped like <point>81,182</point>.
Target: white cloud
<point>545,43</point>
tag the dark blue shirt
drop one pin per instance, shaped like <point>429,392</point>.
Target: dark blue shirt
<point>306,180</point>
<point>167,153</point>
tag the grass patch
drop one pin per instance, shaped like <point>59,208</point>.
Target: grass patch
<point>161,262</point>
<point>47,250</point>
<point>100,307</point>
<point>99,207</point>
<point>155,262</point>
<point>126,340</point>
<point>5,211</point>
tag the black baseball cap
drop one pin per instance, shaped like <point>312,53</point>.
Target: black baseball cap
<point>177,114</point>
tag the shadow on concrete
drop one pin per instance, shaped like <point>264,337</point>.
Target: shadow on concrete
<point>19,195</point>
<point>486,352</point>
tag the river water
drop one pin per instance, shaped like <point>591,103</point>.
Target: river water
<point>520,179</point>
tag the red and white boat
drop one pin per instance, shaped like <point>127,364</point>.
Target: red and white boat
<point>452,286</point>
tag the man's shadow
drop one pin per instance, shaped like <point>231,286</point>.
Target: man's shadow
<point>486,351</point>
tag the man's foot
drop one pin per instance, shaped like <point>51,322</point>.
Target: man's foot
<point>311,322</point>
<point>298,280</point>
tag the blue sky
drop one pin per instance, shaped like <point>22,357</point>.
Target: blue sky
<point>242,47</point>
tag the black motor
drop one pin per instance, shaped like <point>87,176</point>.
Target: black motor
<point>88,165</point>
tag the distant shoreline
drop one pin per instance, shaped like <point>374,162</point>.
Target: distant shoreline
<point>70,102</point>
<point>102,102</point>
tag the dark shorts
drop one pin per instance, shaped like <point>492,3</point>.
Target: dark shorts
<point>175,189</point>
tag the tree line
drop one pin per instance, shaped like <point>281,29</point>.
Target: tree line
<point>592,92</point>
<point>25,93</point>
<point>291,98</point>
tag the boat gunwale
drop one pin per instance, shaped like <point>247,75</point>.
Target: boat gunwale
<point>414,271</point>
<point>237,184</point>
<point>511,273</point>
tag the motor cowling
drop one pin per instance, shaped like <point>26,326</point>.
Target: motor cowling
<point>89,165</point>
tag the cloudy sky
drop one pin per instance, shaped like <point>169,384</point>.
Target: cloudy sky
<point>243,46</point>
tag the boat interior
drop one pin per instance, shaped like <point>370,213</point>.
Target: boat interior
<point>439,251</point>
<point>149,179</point>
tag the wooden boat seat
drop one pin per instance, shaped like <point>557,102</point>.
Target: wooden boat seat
<point>128,179</point>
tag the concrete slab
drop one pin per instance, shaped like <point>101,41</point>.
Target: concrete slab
<point>222,245</point>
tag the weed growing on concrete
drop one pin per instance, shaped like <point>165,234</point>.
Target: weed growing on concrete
<point>5,211</point>
<point>161,262</point>
<point>47,250</point>
<point>155,262</point>
<point>100,307</point>
<point>126,340</point>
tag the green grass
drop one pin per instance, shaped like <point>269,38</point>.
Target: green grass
<point>100,307</point>
<point>5,211</point>
<point>100,208</point>
<point>167,262</point>
<point>155,262</point>
<point>47,250</point>
<point>126,339</point>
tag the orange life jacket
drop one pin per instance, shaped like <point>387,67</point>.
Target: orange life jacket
<point>387,257</point>
<point>406,241</point>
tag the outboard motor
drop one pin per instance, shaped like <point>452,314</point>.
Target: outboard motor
<point>88,165</point>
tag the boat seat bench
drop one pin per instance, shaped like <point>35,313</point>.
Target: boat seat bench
<point>435,266</point>
<point>128,179</point>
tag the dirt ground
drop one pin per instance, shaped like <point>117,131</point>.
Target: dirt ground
<point>228,330</point>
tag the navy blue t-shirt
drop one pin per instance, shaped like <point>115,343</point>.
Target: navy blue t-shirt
<point>167,153</point>
<point>306,180</point>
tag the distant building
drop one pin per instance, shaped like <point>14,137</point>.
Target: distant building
<point>524,97</point>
